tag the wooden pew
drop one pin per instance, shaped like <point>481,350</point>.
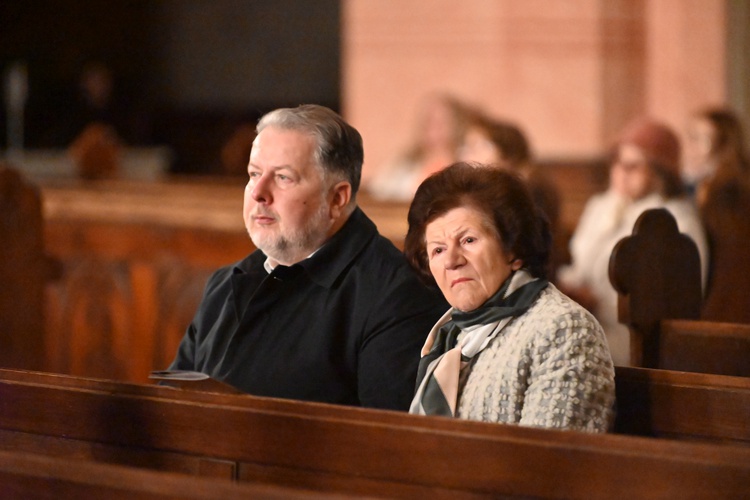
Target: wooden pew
<point>350,450</point>
<point>135,259</point>
<point>680,405</point>
<point>24,271</point>
<point>26,476</point>
<point>650,402</point>
<point>705,346</point>
<point>656,273</point>
<point>656,403</point>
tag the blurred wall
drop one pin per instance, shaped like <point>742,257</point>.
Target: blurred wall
<point>571,72</point>
<point>194,69</point>
<point>239,54</point>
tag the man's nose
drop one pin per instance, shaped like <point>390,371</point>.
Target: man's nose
<point>261,191</point>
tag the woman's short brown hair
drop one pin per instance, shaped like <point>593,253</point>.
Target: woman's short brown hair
<point>502,196</point>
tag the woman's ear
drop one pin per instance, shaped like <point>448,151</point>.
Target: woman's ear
<point>516,264</point>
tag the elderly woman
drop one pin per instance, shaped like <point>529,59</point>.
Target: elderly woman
<point>512,348</point>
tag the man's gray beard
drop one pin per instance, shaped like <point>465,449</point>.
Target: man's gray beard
<point>294,247</point>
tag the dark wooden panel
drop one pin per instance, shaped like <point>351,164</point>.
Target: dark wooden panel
<point>353,450</point>
<point>692,406</point>
<point>656,273</point>
<point>135,258</point>
<point>29,477</point>
<point>24,270</point>
<point>705,347</point>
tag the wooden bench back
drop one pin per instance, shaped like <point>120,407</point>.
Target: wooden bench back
<point>23,272</point>
<point>705,347</point>
<point>688,406</point>
<point>650,403</point>
<point>348,450</point>
<point>656,273</point>
<point>30,476</point>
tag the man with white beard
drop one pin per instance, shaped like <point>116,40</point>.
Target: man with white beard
<point>326,309</point>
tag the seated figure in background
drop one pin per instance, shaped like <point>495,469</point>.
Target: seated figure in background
<point>714,149</point>
<point>326,309</point>
<point>717,169</point>
<point>644,174</point>
<point>439,131</point>
<point>236,150</point>
<point>97,99</point>
<point>512,348</point>
<point>97,152</point>
<point>500,143</point>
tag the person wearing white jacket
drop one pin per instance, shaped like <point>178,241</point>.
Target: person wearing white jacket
<point>645,174</point>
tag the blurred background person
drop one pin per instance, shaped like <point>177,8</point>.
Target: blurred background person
<point>644,174</point>
<point>97,152</point>
<point>496,142</point>
<point>438,134</point>
<point>97,101</point>
<point>714,149</point>
<point>717,168</point>
<point>235,152</point>
<point>487,140</point>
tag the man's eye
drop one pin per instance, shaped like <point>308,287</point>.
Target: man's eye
<point>469,239</point>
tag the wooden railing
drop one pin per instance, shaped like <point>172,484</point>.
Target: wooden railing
<point>356,451</point>
<point>656,273</point>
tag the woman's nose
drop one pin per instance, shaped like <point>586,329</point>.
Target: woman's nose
<point>454,257</point>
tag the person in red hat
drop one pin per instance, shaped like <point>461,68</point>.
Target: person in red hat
<point>644,174</point>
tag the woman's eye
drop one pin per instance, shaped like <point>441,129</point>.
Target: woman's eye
<point>469,239</point>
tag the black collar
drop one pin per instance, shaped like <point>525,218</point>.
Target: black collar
<point>327,264</point>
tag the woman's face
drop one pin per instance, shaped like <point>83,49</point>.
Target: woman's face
<point>466,258</point>
<point>478,147</point>
<point>630,175</point>
<point>698,148</point>
<point>437,125</point>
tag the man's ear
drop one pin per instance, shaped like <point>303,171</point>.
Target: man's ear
<point>341,195</point>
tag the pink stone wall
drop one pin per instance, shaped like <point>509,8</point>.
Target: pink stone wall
<point>570,72</point>
<point>686,60</point>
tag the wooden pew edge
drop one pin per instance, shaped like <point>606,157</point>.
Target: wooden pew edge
<point>572,451</point>
<point>705,328</point>
<point>693,379</point>
<point>364,417</point>
<point>33,474</point>
<point>684,379</point>
<point>256,472</point>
